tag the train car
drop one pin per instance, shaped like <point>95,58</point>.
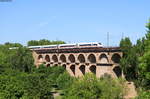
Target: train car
<point>49,46</point>
<point>92,44</point>
<point>42,47</point>
<point>67,46</point>
<point>34,47</point>
<point>64,46</point>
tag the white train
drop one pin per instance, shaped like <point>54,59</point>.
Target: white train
<point>63,46</point>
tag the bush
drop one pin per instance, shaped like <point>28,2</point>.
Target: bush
<point>64,81</point>
<point>17,85</point>
<point>144,95</point>
<point>95,88</point>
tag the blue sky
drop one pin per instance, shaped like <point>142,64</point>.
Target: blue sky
<point>73,20</point>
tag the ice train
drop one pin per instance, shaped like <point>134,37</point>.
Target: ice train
<point>63,46</point>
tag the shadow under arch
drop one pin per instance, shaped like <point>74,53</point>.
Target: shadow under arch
<point>81,58</point>
<point>116,58</point>
<point>92,58</point>
<point>64,66</point>
<point>82,69</point>
<point>71,58</point>
<point>48,65</point>
<point>117,70</point>
<point>55,64</point>
<point>54,58</point>
<point>93,69</point>
<point>103,58</point>
<point>40,58</point>
<point>72,67</point>
<point>47,58</point>
<point>63,58</point>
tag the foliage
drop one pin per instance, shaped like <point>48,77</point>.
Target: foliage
<point>51,73</point>
<point>129,62</point>
<point>17,85</point>
<point>44,42</point>
<point>144,95</point>
<point>125,45</point>
<point>64,81</point>
<point>95,88</point>
<point>13,44</point>
<point>136,62</point>
<point>21,59</point>
<point>144,66</point>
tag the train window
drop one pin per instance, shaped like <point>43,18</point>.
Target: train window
<point>94,44</point>
<point>68,46</point>
<point>85,45</point>
<point>99,43</point>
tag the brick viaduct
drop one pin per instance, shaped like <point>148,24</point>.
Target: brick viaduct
<point>78,61</point>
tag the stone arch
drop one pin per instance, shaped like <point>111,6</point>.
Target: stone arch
<point>92,58</point>
<point>117,70</point>
<point>72,68</point>
<point>71,58</point>
<point>40,58</point>
<point>103,58</point>
<point>47,58</point>
<point>64,66</point>
<point>48,65</point>
<point>81,58</point>
<point>93,69</point>
<point>63,58</point>
<point>82,69</point>
<point>116,58</point>
<point>54,58</point>
<point>55,64</point>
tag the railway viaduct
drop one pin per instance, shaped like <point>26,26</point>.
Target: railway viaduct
<point>78,61</point>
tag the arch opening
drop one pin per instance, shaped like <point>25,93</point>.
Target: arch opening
<point>116,58</point>
<point>81,58</point>
<point>93,69</point>
<point>40,58</point>
<point>72,67</point>
<point>56,65</point>
<point>63,58</point>
<point>82,69</point>
<point>54,58</point>
<point>72,58</point>
<point>103,58</point>
<point>47,58</point>
<point>64,66</point>
<point>48,65</point>
<point>117,70</point>
<point>92,58</point>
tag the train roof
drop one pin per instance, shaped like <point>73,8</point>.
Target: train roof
<point>90,43</point>
<point>64,44</point>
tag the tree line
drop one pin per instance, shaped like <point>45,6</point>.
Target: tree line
<point>44,42</point>
<point>136,62</point>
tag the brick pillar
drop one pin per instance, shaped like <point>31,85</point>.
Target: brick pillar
<point>98,71</point>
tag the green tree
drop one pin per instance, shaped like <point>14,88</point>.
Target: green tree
<point>64,81</point>
<point>129,62</point>
<point>21,59</point>
<point>95,88</point>
<point>44,42</point>
<point>144,66</point>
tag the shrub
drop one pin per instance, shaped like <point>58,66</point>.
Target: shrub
<point>144,95</point>
<point>95,88</point>
<point>64,81</point>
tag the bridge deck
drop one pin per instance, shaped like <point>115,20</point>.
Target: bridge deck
<point>77,50</point>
